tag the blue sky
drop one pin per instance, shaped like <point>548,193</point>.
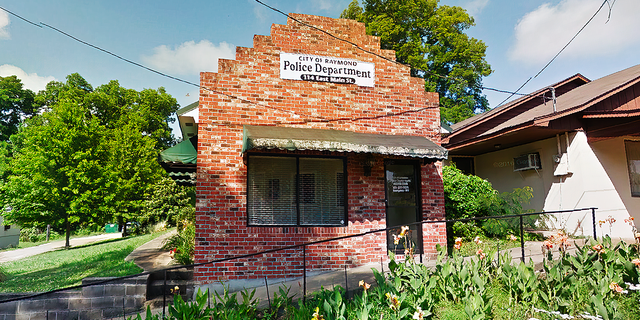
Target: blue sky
<point>186,37</point>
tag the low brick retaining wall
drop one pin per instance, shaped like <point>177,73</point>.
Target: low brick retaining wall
<point>107,300</point>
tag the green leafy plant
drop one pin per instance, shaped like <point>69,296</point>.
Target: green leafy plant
<point>182,245</point>
<point>196,310</point>
<point>148,315</point>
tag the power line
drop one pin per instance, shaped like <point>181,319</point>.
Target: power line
<point>565,46</point>
<point>311,118</point>
<point>374,53</point>
<point>156,71</point>
<point>19,17</point>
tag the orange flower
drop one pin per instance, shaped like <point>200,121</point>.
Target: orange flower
<point>636,262</point>
<point>364,285</point>
<point>615,287</point>
<point>513,238</point>
<point>547,244</point>
<point>403,231</point>
<point>598,248</point>
<point>477,240</point>
<point>458,243</point>
<point>394,303</point>
<point>480,254</point>
<point>317,315</point>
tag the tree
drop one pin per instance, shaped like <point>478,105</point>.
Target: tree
<point>57,173</point>
<point>431,39</point>
<point>89,157</point>
<point>16,103</point>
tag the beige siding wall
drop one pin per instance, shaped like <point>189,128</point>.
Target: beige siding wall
<point>611,153</point>
<point>8,237</point>
<point>497,168</point>
<point>598,177</point>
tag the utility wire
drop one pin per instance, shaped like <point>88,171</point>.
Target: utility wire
<point>579,31</point>
<point>565,46</point>
<point>374,53</point>
<point>310,118</point>
<point>21,18</point>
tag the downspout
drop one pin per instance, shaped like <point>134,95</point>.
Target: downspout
<point>566,135</point>
<point>559,177</point>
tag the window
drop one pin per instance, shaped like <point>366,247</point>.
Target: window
<point>633,163</point>
<point>465,164</point>
<point>296,190</point>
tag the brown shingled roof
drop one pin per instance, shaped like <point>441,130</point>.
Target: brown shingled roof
<point>574,94</point>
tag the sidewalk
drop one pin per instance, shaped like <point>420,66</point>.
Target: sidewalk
<point>150,256</point>
<point>18,254</point>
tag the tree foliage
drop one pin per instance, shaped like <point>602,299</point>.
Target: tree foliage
<point>431,39</point>
<point>169,202</point>
<point>16,103</point>
<point>89,157</point>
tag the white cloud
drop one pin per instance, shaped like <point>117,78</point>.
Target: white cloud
<point>4,22</point>
<point>30,81</point>
<point>540,34</point>
<point>474,7</point>
<point>323,4</point>
<point>190,57</point>
<point>259,11</point>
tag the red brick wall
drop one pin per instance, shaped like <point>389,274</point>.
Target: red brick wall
<point>221,221</point>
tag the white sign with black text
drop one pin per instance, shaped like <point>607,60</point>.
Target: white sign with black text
<point>326,69</point>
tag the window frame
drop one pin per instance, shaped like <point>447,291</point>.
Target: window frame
<point>626,151</point>
<point>297,190</point>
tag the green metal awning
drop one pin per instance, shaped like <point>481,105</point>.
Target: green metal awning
<point>269,137</point>
<point>180,161</point>
<point>183,152</point>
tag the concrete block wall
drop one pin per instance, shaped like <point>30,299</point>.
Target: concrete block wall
<point>102,301</point>
<point>397,105</point>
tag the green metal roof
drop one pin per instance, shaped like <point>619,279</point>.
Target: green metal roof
<point>270,137</point>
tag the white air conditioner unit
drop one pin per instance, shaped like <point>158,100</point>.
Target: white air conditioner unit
<point>527,162</point>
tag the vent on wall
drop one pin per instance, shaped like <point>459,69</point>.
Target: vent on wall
<point>527,162</point>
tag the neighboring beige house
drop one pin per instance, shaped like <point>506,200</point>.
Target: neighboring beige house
<point>9,235</point>
<point>576,143</point>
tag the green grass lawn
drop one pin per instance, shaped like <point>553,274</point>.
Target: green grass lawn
<point>67,267</point>
<point>469,248</point>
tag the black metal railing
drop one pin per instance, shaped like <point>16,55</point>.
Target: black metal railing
<point>304,246</point>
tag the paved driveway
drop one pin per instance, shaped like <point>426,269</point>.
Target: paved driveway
<point>18,254</point>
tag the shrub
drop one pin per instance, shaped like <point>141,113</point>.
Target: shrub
<point>34,234</point>
<point>468,196</point>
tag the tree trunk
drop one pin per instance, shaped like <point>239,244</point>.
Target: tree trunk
<point>68,231</point>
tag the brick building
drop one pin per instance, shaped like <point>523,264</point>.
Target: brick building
<point>323,140</point>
